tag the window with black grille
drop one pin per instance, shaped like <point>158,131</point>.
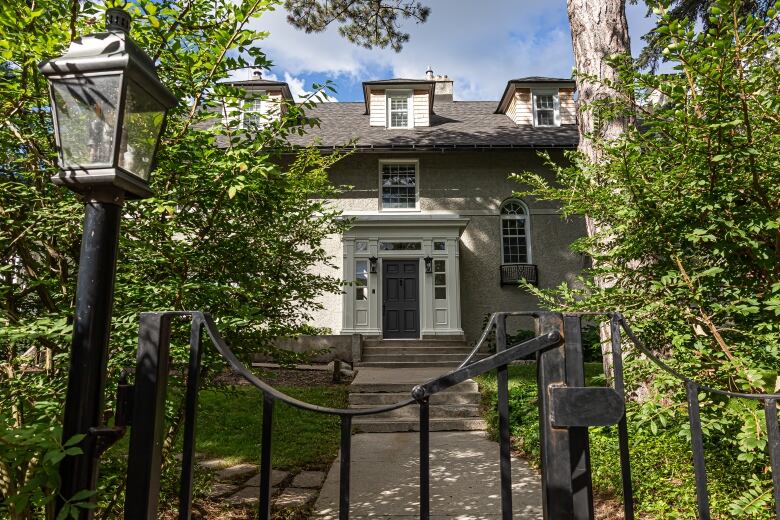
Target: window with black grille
<point>399,185</point>
<point>514,233</point>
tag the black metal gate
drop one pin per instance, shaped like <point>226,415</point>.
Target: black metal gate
<point>567,408</point>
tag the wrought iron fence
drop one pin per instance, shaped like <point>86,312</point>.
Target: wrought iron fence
<point>567,408</point>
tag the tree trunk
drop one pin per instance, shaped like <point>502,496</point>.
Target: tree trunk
<point>598,30</point>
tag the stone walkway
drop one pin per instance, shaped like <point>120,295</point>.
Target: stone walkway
<point>239,485</point>
<point>464,479</point>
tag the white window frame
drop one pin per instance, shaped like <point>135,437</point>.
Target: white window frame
<point>255,96</point>
<point>556,106</point>
<point>446,274</point>
<point>416,163</point>
<point>409,95</point>
<point>358,287</point>
<point>527,222</point>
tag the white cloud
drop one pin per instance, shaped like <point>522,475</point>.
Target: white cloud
<point>480,45</point>
<point>298,87</point>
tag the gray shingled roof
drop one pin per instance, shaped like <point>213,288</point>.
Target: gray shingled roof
<point>397,80</point>
<point>541,79</point>
<point>456,124</point>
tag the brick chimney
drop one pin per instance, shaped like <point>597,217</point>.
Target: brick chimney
<point>444,86</point>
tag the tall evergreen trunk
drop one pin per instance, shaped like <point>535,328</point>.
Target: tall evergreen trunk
<point>599,29</point>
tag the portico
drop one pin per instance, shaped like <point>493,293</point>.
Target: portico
<point>403,275</point>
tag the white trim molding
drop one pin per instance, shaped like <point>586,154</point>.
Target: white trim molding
<point>416,163</point>
<point>437,317</point>
<point>526,218</point>
<point>399,94</point>
<point>556,108</point>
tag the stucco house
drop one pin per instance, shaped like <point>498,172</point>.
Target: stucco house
<point>438,241</point>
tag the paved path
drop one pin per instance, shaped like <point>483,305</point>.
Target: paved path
<point>464,479</point>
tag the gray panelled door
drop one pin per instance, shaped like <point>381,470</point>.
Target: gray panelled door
<point>401,306</point>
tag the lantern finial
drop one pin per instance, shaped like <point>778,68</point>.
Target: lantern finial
<point>117,20</point>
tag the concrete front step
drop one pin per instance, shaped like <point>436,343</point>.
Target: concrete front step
<point>382,386</point>
<point>367,425</point>
<point>384,398</point>
<point>414,358</point>
<point>434,349</point>
<point>445,366</point>
<point>413,343</point>
<point>442,411</point>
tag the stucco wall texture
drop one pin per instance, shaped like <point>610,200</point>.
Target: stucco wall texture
<point>473,185</point>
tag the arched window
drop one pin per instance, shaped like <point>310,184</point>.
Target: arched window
<point>515,236</point>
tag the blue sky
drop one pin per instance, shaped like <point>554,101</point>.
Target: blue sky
<point>479,44</point>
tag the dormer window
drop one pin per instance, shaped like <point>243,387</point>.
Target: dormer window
<point>538,101</point>
<point>546,112</point>
<point>255,110</point>
<point>399,109</point>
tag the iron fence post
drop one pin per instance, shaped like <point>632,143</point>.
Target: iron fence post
<point>773,441</point>
<point>190,413</point>
<point>146,436</point>
<point>505,448</point>
<point>554,442</point>
<point>579,441</point>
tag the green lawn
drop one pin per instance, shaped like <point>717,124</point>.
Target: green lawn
<point>230,427</point>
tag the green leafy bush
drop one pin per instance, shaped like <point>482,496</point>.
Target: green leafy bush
<point>234,227</point>
<point>661,462</point>
<point>685,208</point>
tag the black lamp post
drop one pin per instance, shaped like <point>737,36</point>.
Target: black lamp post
<point>109,111</point>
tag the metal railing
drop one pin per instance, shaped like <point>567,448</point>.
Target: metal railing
<point>511,274</point>
<point>692,389</point>
<point>144,462</point>
<point>567,408</point>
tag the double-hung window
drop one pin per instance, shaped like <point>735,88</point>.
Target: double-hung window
<point>255,110</point>
<point>398,185</point>
<point>399,109</point>
<point>514,233</point>
<point>546,112</point>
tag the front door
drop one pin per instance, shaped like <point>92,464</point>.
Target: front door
<point>401,309</point>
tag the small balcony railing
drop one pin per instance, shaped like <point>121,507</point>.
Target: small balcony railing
<point>511,274</point>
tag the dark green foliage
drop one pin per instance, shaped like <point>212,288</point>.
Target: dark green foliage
<point>661,461</point>
<point>368,23</point>
<point>235,225</point>
<point>686,211</point>
<point>696,10</point>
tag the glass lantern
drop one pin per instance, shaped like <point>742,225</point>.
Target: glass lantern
<point>109,109</point>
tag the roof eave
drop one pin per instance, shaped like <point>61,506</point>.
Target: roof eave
<point>370,148</point>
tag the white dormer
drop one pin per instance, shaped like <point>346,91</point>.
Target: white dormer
<point>265,101</point>
<point>540,102</point>
<point>399,103</point>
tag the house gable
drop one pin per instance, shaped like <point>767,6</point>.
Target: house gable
<point>519,101</point>
<point>418,96</point>
<point>267,100</point>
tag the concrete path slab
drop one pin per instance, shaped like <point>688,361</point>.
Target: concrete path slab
<point>464,479</point>
<point>409,376</point>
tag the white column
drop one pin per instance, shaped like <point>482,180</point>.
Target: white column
<point>375,290</point>
<point>426,292</point>
<point>453,282</point>
<point>348,308</point>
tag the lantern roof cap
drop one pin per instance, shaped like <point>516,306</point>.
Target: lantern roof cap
<point>110,51</point>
